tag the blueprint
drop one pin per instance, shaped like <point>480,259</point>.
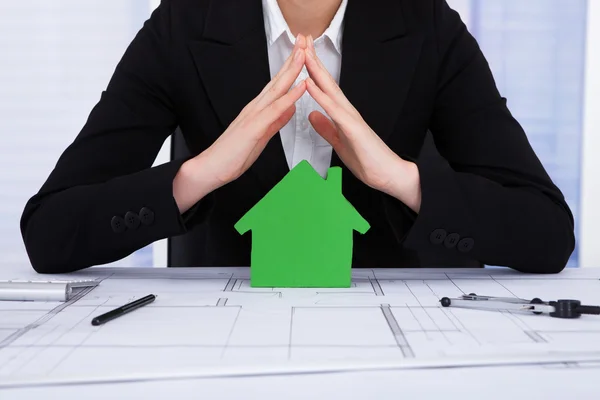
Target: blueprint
<point>210,319</point>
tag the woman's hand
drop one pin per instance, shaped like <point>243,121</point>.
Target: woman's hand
<point>361,149</point>
<point>246,137</point>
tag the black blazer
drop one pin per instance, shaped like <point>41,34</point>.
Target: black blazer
<point>409,66</point>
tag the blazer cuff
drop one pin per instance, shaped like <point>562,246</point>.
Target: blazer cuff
<point>198,213</point>
<point>143,210</point>
<point>442,228</point>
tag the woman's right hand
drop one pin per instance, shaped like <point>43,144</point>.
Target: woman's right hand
<point>246,137</point>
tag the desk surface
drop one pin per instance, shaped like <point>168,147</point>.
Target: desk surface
<point>209,327</point>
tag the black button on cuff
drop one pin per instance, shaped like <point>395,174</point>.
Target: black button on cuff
<point>465,245</point>
<point>438,236</point>
<point>451,240</point>
<point>146,216</point>
<point>117,224</point>
<point>132,221</point>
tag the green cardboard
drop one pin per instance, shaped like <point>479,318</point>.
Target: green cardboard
<point>302,232</point>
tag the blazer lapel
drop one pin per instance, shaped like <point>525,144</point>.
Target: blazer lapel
<point>379,56</point>
<point>232,61</point>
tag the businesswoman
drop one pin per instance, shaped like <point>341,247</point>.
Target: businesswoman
<point>257,87</point>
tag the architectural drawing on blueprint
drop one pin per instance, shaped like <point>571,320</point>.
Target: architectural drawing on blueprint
<point>209,317</point>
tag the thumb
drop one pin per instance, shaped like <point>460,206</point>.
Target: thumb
<point>325,127</point>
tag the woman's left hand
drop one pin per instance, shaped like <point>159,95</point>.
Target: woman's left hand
<point>359,148</point>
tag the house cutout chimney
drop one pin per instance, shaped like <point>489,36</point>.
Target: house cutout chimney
<point>334,179</point>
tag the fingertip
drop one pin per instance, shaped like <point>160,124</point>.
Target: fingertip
<point>290,111</point>
<point>298,90</point>
<point>301,41</point>
<point>315,116</point>
<point>286,116</point>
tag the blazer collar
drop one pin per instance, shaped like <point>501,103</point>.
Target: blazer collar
<point>380,53</point>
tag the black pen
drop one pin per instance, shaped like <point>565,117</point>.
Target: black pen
<point>117,312</point>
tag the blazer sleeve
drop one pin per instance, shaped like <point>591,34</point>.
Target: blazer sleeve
<point>485,194</point>
<point>103,200</point>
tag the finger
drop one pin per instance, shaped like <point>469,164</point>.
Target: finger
<point>325,127</point>
<point>321,76</point>
<point>313,53</point>
<point>284,83</point>
<point>300,46</point>
<point>251,107</point>
<point>341,117</point>
<point>325,82</point>
<point>273,112</point>
<point>318,71</point>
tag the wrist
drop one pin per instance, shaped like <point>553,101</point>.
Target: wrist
<point>406,184</point>
<point>203,175</point>
<point>192,183</point>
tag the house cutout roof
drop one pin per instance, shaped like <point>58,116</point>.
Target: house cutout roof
<point>302,231</point>
<point>305,198</point>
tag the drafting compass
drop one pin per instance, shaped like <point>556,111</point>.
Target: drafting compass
<point>556,309</point>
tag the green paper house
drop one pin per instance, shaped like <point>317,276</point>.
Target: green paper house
<point>302,232</point>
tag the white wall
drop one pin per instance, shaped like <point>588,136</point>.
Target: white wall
<point>56,58</point>
<point>589,229</point>
<point>463,7</point>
